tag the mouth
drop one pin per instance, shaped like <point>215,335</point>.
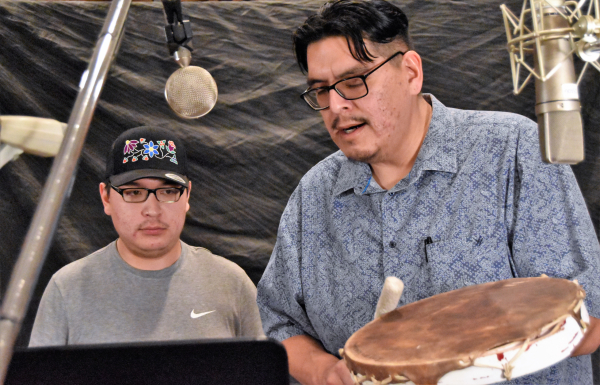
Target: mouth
<point>153,229</point>
<point>351,129</point>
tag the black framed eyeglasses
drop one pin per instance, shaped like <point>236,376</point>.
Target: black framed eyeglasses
<point>351,88</point>
<point>141,194</point>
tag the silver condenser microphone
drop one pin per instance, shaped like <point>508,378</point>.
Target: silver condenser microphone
<point>557,105</point>
<point>191,91</point>
<point>552,30</point>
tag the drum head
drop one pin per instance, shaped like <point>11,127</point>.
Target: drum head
<point>426,339</point>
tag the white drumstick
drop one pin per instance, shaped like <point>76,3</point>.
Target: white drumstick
<point>390,295</point>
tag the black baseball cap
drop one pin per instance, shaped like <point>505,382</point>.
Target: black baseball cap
<point>147,152</point>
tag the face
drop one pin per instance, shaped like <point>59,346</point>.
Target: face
<point>149,229</point>
<point>372,128</point>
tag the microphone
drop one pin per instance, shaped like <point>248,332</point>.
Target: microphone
<point>557,98</point>
<point>38,136</point>
<point>191,91</point>
<point>558,29</point>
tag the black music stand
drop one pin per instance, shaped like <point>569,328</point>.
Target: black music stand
<point>225,361</point>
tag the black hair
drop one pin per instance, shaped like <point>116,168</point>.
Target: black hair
<point>107,186</point>
<point>375,20</point>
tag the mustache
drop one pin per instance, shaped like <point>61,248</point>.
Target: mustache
<point>356,120</point>
<point>153,225</point>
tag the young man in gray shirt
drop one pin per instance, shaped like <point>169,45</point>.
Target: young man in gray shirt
<point>147,285</point>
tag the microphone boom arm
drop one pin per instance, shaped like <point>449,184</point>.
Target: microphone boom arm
<point>58,185</point>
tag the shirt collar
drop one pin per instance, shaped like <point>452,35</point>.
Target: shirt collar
<point>353,175</point>
<point>438,153</point>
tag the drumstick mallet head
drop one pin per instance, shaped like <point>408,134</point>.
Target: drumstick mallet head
<point>390,296</point>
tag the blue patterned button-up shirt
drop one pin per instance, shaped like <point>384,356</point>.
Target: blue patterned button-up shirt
<point>478,206</point>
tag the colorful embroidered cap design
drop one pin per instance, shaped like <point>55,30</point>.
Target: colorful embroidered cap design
<point>147,152</point>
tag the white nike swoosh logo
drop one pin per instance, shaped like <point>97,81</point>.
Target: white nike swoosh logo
<point>198,315</point>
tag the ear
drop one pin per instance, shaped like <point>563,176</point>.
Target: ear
<point>105,197</point>
<point>189,191</point>
<point>414,69</point>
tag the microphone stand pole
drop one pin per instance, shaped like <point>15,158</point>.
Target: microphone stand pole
<point>58,185</point>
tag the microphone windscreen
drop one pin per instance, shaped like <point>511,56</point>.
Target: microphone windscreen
<point>191,92</point>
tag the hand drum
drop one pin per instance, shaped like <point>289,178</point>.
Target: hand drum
<point>478,334</point>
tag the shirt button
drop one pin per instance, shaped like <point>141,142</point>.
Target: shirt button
<point>391,194</point>
<point>392,244</point>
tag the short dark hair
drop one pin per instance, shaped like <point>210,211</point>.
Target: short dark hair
<point>375,20</point>
<point>107,186</point>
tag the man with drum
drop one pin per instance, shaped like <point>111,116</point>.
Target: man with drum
<point>438,197</point>
<point>148,285</point>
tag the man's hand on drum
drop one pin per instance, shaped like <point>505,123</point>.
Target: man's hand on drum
<point>591,339</point>
<point>338,374</point>
<point>312,365</point>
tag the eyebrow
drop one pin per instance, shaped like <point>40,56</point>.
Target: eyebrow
<point>346,74</point>
<point>136,184</point>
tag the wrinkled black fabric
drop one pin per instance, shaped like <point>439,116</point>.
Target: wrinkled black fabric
<point>248,154</point>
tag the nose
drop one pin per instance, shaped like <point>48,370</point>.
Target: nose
<point>336,103</point>
<point>152,206</point>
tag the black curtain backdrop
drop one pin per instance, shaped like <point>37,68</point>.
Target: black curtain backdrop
<point>249,153</point>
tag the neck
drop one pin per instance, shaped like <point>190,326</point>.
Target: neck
<point>149,260</point>
<point>389,171</point>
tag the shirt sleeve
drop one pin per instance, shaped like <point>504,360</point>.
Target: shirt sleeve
<point>280,296</point>
<point>550,231</point>
<point>250,325</point>
<point>50,327</point>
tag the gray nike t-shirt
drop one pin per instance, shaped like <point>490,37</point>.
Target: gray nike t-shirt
<point>102,299</point>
